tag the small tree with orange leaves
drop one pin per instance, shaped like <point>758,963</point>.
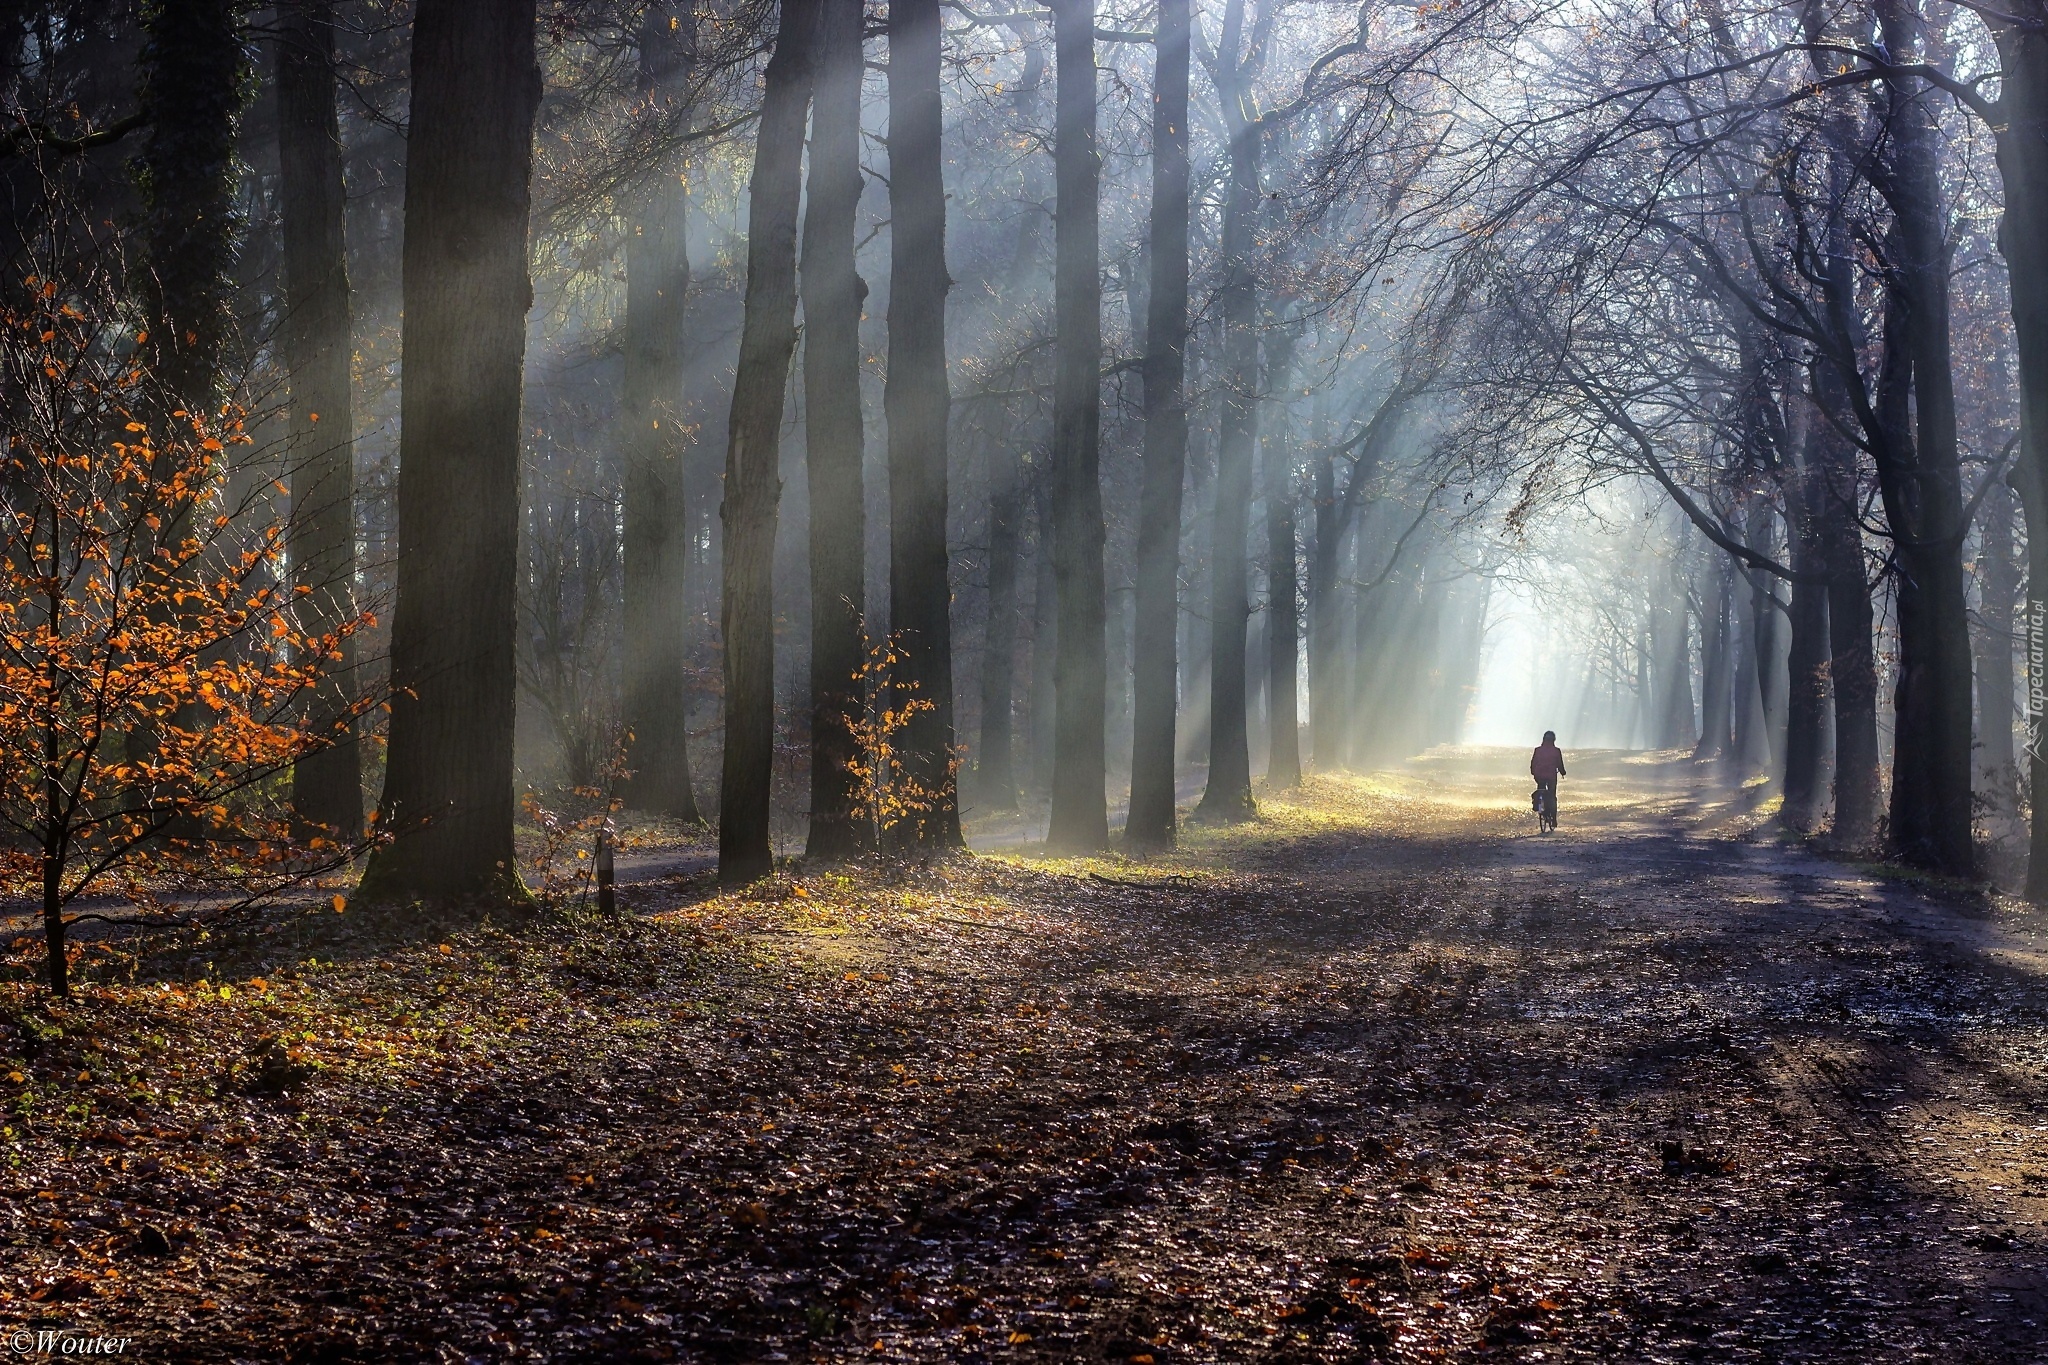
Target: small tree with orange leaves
<point>153,672</point>
<point>887,796</point>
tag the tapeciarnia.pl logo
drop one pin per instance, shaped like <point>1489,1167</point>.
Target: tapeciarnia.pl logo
<point>2037,681</point>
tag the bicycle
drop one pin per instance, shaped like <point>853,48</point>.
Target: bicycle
<point>1546,809</point>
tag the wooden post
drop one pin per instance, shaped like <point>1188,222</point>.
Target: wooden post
<point>607,902</point>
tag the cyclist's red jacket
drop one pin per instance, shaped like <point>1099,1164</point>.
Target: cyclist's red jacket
<point>1547,763</point>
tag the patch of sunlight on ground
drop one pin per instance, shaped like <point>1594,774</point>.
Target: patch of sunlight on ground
<point>1449,792</point>
<point>1403,801</point>
<point>1182,862</point>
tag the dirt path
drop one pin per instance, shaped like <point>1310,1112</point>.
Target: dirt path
<point>1386,1077</point>
<point>1790,1111</point>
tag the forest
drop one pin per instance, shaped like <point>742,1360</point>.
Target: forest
<point>730,680</point>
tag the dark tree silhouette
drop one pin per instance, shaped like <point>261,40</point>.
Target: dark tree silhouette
<point>469,152</point>
<point>327,786</point>
<point>2021,122</point>
<point>995,760</point>
<point>1283,605</point>
<point>1228,796</point>
<point>1921,481</point>
<point>656,442</point>
<point>917,400</point>
<point>194,83</point>
<point>1080,808</point>
<point>832,295</point>
<point>753,483</point>
<point>1155,657</point>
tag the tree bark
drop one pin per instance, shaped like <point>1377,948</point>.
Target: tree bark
<point>448,788</point>
<point>1080,805</point>
<point>996,762</point>
<point>1674,664</point>
<point>1716,738</point>
<point>1116,747</point>
<point>832,296</point>
<point>1044,636</point>
<point>753,482</point>
<point>1930,799</point>
<point>327,786</point>
<point>655,606</point>
<point>2023,240</point>
<point>1641,735</point>
<point>193,84</point>
<point>1155,662</point>
<point>917,400</point>
<point>1759,738</point>
<point>1998,582</point>
<point>1325,620</point>
<point>193,87</point>
<point>996,758</point>
<point>1837,481</point>
<point>1283,605</point>
<point>1332,724</point>
<point>1367,612</point>
<point>2033,496</point>
<point>1852,665</point>
<point>1228,796</point>
<point>1806,674</point>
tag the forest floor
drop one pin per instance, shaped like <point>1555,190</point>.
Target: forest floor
<point>1383,1077</point>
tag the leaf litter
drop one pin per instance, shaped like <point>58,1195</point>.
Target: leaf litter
<point>1379,1078</point>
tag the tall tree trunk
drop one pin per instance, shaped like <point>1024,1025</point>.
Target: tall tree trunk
<point>2023,239</point>
<point>1837,495</point>
<point>1044,638</point>
<point>1357,670</point>
<point>1755,746</point>
<point>753,481</point>
<point>1999,587</point>
<point>193,84</point>
<point>1644,706</point>
<point>996,758</point>
<point>2033,494</point>
<point>1283,630</point>
<point>1325,621</point>
<point>1155,663</point>
<point>1930,801</point>
<point>655,574</point>
<point>1806,709</point>
<point>996,762</point>
<point>1773,643</point>
<point>1228,796</point>
<point>917,400</point>
<point>1080,805</point>
<point>1806,680</point>
<point>1674,664</point>
<point>1764,649</point>
<point>1716,650</point>
<point>1852,665</point>
<point>327,786</point>
<point>832,295</point>
<point>1256,657</point>
<point>469,154</point>
<point>1117,704</point>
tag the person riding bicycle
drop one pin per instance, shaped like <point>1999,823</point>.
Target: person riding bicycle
<point>1546,765</point>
